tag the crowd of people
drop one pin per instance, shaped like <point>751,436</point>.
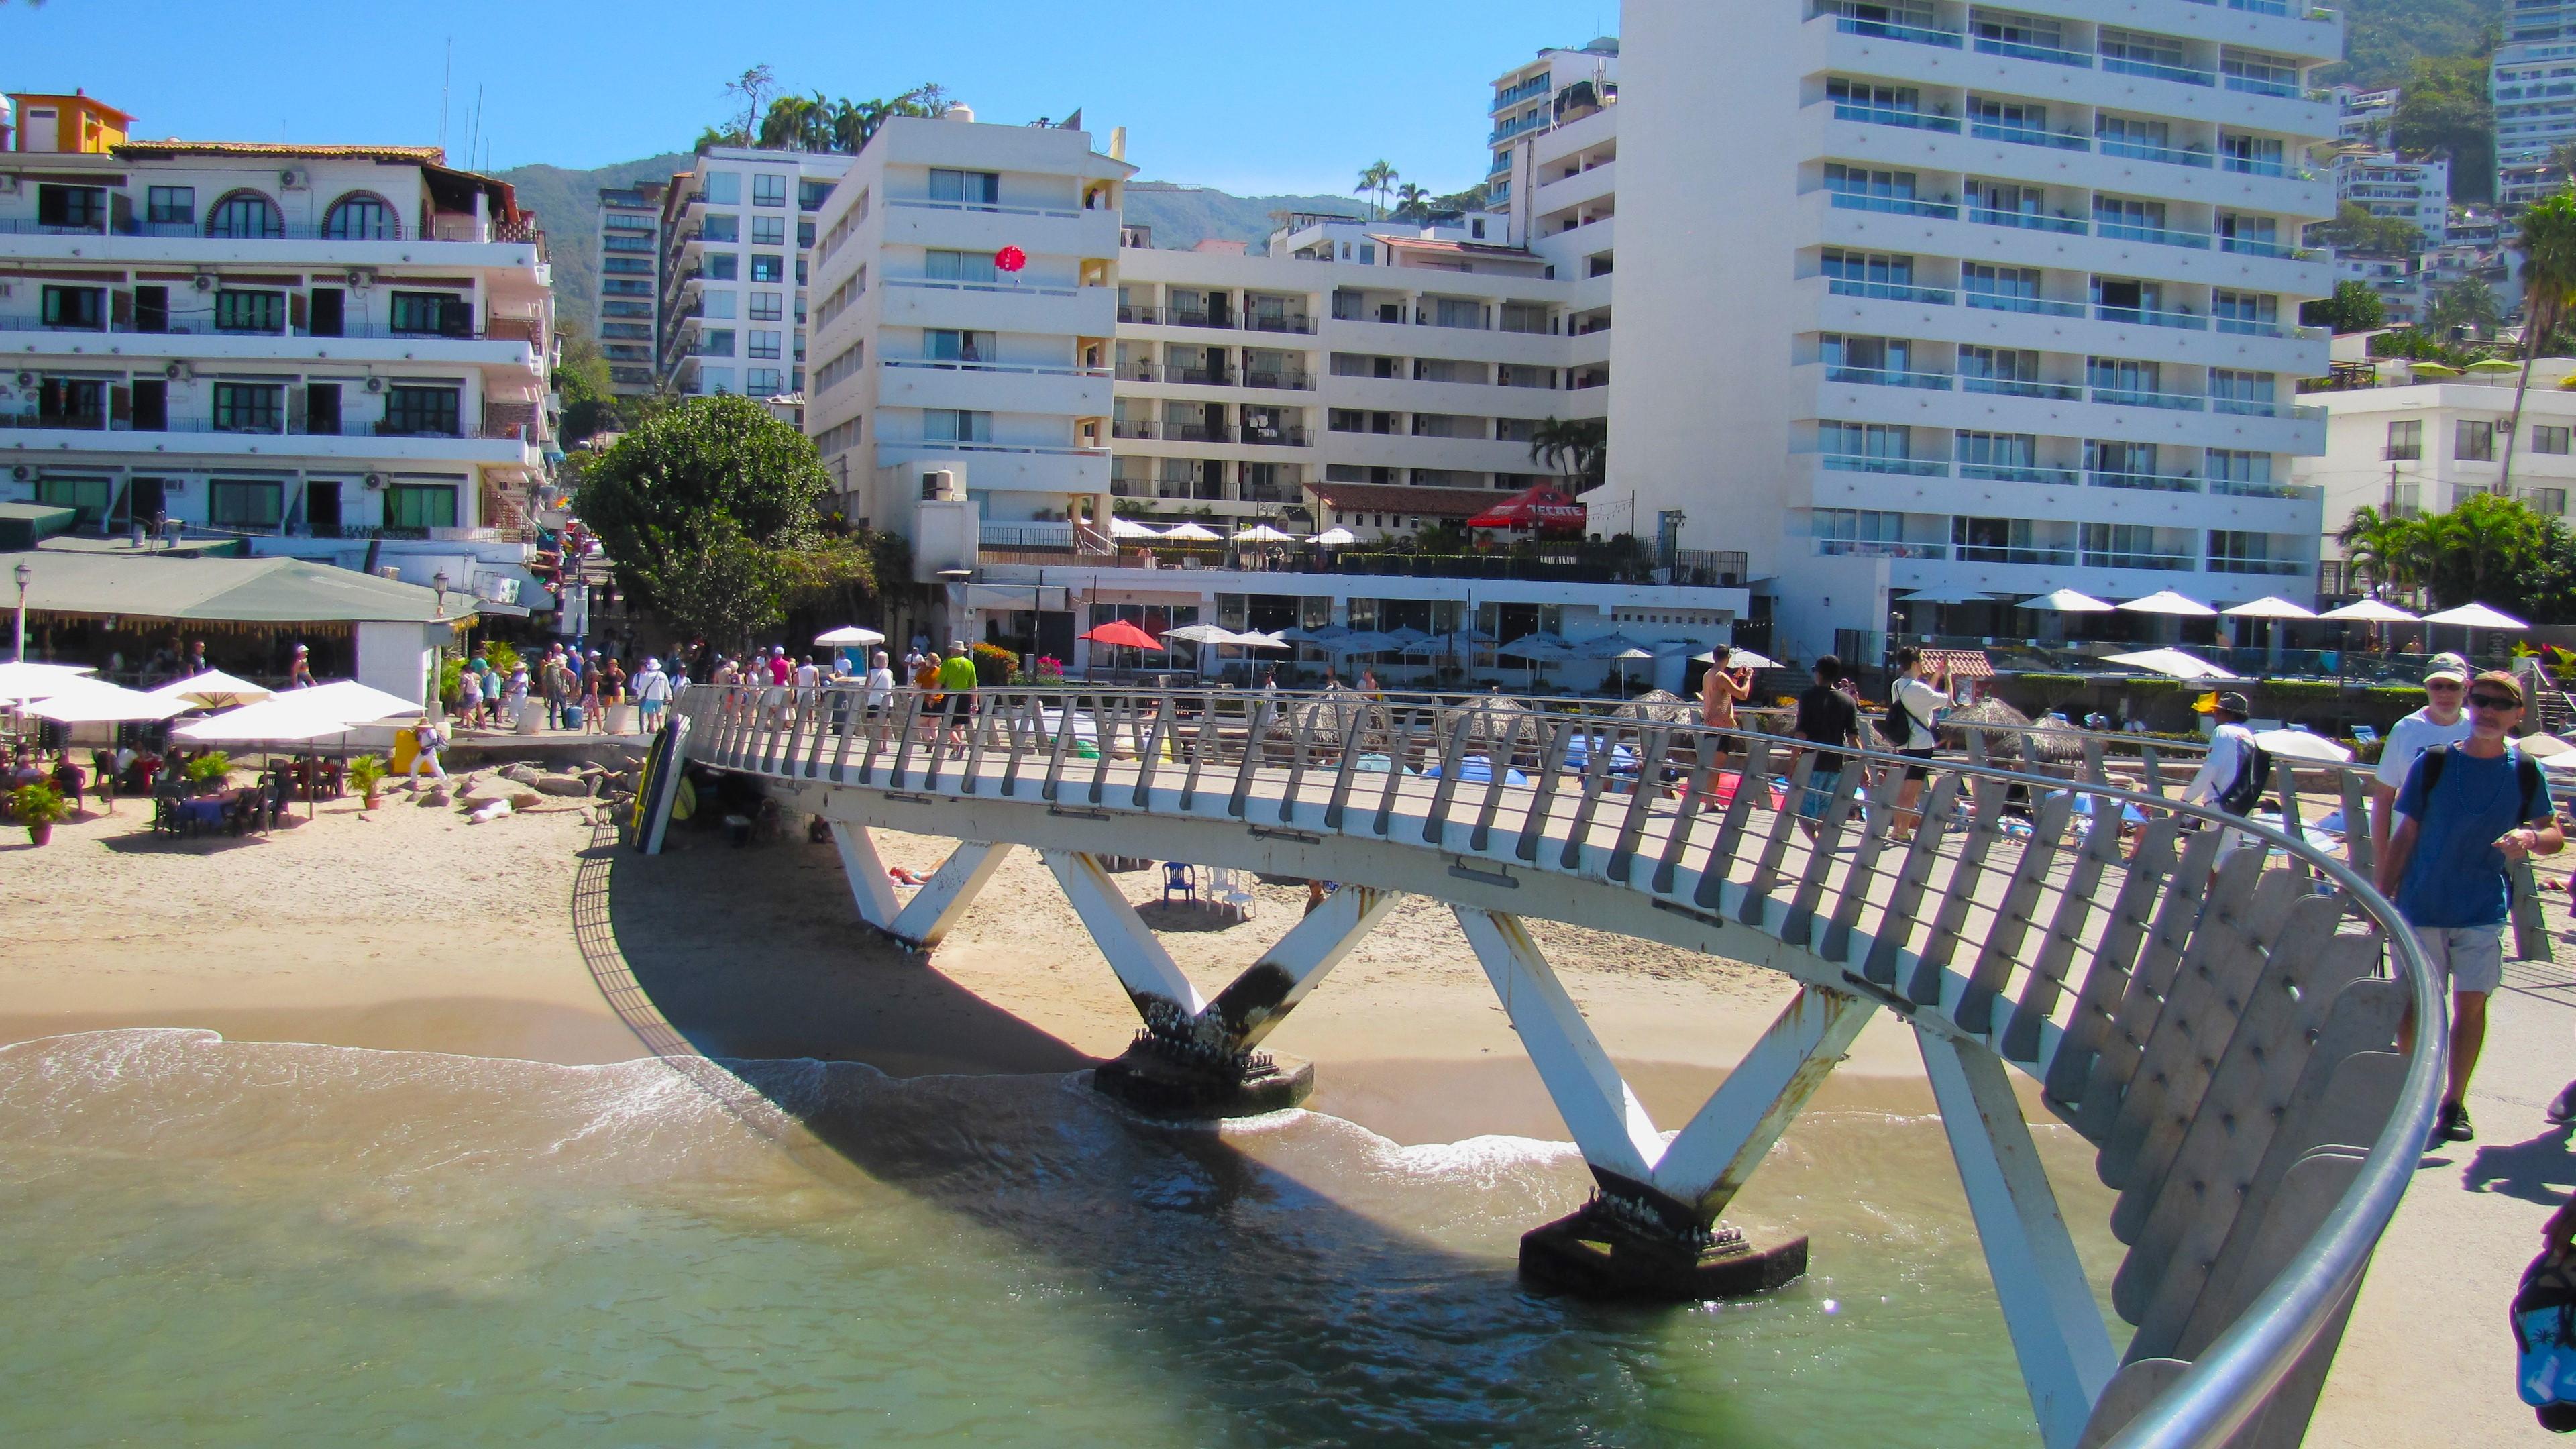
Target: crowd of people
<point>574,688</point>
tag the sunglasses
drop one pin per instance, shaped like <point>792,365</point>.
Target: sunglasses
<point>2496,702</point>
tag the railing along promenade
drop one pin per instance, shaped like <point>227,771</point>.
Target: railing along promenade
<point>2212,1002</point>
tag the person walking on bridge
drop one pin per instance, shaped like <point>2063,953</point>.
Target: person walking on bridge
<point>1830,724</point>
<point>2466,812</point>
<point>2440,722</point>
<point>957,681</point>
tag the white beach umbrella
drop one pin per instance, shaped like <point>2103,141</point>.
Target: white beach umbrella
<point>2546,747</point>
<point>95,701</point>
<point>21,682</point>
<point>2181,664</point>
<point>347,701</point>
<point>1335,537</point>
<point>1944,594</point>
<point>2303,745</point>
<point>2067,601</point>
<point>269,721</point>
<point>849,635</point>
<point>1255,639</point>
<point>1740,659</point>
<point>1202,634</point>
<point>2166,601</point>
<point>1130,528</point>
<point>1263,533</point>
<point>2476,616</point>
<point>2270,606</point>
<point>1191,533</point>
<point>213,689</point>
<point>2369,611</point>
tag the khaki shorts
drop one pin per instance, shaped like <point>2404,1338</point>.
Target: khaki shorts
<point>2471,956</point>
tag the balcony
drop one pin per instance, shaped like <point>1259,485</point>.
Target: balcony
<point>2021,387</point>
<point>445,227</point>
<point>2246,246</point>
<point>2045,54</point>
<point>1888,377</point>
<point>1879,548</point>
<point>1890,30</point>
<point>2036,306</point>
<point>2030,136</point>
<point>2169,155</point>
<point>1141,316</point>
<point>2005,554</point>
<point>2026,220</point>
<point>2157,235</point>
<point>1191,317</point>
<point>1511,96</point>
<point>1867,463</point>
<point>1889,292</point>
<point>2189,402</point>
<point>1200,376</point>
<point>2263,407</point>
<point>1277,437</point>
<point>2151,70</point>
<point>2017,473</point>
<point>1255,322</point>
<point>2145,316</point>
<point>1891,116</point>
<point>2169,562</point>
<point>2150,482</point>
<point>2256,566</point>
<point>1898,205</point>
<point>2247,488</point>
<point>1288,381</point>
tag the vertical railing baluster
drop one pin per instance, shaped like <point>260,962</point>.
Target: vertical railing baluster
<point>1775,846</point>
<point>1064,719</point>
<point>1498,768</point>
<point>1453,759</point>
<point>1878,825</point>
<point>1301,745</point>
<point>1153,752</point>
<point>1240,803</point>
<point>1752,784</point>
<point>1959,893</point>
<point>1600,749</point>
<point>1706,751</point>
<point>2000,952</point>
<point>1653,747</point>
<point>1407,722</point>
<point>853,720</point>
<point>1202,749</point>
<point>1897,920</point>
<point>1551,765</point>
<point>1108,719</point>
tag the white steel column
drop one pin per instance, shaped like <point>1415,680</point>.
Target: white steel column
<point>1709,1160</point>
<point>1264,995</point>
<point>1143,966</point>
<point>950,890</point>
<point>868,884</point>
<point>1607,1121</point>
<point>2049,1307</point>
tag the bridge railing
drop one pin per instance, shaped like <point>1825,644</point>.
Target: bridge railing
<point>2208,999</point>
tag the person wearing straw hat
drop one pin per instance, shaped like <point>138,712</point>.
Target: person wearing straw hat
<point>2440,722</point>
<point>2466,813</point>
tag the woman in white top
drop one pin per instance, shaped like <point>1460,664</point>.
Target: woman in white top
<point>879,696</point>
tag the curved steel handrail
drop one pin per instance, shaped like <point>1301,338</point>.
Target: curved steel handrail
<point>2228,1383</point>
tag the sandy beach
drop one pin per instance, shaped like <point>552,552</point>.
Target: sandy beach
<point>408,929</point>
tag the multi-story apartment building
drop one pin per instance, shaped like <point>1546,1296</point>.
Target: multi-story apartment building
<point>2407,446</point>
<point>334,352</point>
<point>2532,81</point>
<point>2384,184</point>
<point>2399,282</point>
<point>737,235</point>
<point>630,284</point>
<point>1562,89</point>
<point>1962,301</point>
<point>2366,117</point>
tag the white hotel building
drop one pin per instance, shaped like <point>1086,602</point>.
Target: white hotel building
<point>1963,299</point>
<point>737,238</point>
<point>339,353</point>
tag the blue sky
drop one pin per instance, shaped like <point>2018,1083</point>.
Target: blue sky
<point>1252,97</point>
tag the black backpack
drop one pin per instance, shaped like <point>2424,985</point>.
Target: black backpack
<point>1897,725</point>
<point>2246,790</point>
<point>2525,769</point>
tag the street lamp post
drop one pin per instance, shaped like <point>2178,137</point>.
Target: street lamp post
<point>24,574</point>
<point>440,580</point>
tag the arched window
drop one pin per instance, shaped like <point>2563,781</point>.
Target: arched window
<point>245,214</point>
<point>360,216</point>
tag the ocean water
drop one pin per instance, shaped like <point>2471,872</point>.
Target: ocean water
<point>216,1243</point>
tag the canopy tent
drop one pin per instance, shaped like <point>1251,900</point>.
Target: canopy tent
<point>2067,601</point>
<point>1544,507</point>
<point>95,701</point>
<point>2270,606</point>
<point>2166,601</point>
<point>1335,537</point>
<point>2181,664</point>
<point>21,681</point>
<point>1190,533</point>
<point>1119,634</point>
<point>847,636</point>
<point>2369,611</point>
<point>213,689</point>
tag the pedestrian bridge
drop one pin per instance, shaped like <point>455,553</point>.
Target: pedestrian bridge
<point>2219,1022</point>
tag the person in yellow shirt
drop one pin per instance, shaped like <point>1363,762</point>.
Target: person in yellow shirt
<point>957,681</point>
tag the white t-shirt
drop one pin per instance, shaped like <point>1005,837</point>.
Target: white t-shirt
<point>880,687</point>
<point>1923,703</point>
<point>807,676</point>
<point>2409,738</point>
<point>2219,768</point>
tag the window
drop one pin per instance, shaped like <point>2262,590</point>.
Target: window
<point>2473,440</point>
<point>1869,269</point>
<point>959,266</point>
<point>85,308</point>
<point>616,243</point>
<point>421,412</point>
<point>763,343</point>
<point>718,303</point>
<point>244,503</point>
<point>240,311</point>
<point>767,306</point>
<point>768,190</point>
<point>432,314</point>
<point>420,505</point>
<point>946,345</point>
<point>810,194</point>
<point>723,228</point>
<point>1864,440</point>
<point>2236,465</point>
<point>2547,502</point>
<point>976,188</point>
<point>90,495</point>
<point>1462,312</point>
<point>245,214</point>
<point>768,267</point>
<point>800,271</point>
<point>1859,531</point>
<point>72,402</point>
<point>2233,390</point>
<point>956,425</point>
<point>2405,442</point>
<point>360,217</point>
<point>2549,440</point>
<point>763,382</point>
<point>724,188</point>
<point>171,206</point>
<point>723,267</point>
<point>769,231</point>
<point>716,342</point>
<point>716,380</point>
<point>2233,551</point>
<point>804,234</point>
<point>73,208</point>
<point>850,360</point>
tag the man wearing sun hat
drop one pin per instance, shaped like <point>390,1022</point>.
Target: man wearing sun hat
<point>2467,811</point>
<point>2440,722</point>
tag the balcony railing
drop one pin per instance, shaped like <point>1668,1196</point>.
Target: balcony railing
<point>202,324</point>
<point>1288,381</point>
<point>446,228</point>
<point>2017,50</point>
<point>1141,429</point>
<point>86,422</point>
<point>2255,85</point>
<point>2019,473</point>
<point>2006,554</point>
<point>1142,316</point>
<point>2256,566</point>
<point>2247,488</point>
<point>2026,220</point>
<point>2253,166</point>
<point>1869,463</point>
<point>1277,437</point>
<point>2021,387</point>
<point>2149,482</point>
<point>1892,116</point>
<point>2252,327</point>
<point>2147,316</point>
<point>1256,322</point>
<point>1889,30</point>
<point>2170,562</point>
<point>2009,302</point>
<point>1889,291</point>
<point>2246,246</point>
<point>1900,205</point>
<point>1888,377</point>
<point>1879,548</point>
<point>2159,236</point>
<point>2145,151</point>
<point>2029,136</point>
<point>1200,376</point>
<point>2189,402</point>
<point>2122,65</point>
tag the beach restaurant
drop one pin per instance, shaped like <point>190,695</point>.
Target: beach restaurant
<point>115,613</point>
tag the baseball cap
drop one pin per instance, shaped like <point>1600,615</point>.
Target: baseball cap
<point>2230,703</point>
<point>2447,666</point>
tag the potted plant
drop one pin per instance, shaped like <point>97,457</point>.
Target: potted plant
<point>367,776</point>
<point>40,807</point>
<point>208,771</point>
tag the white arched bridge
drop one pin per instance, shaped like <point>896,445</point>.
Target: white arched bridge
<point>2220,1022</point>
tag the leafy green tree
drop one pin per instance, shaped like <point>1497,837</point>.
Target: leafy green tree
<point>710,580</point>
<point>2355,230</point>
<point>2467,303</point>
<point>1413,202</point>
<point>2489,549</point>
<point>708,476</point>
<point>2384,548</point>
<point>2446,110</point>
<point>589,405</point>
<point>1577,447</point>
<point>2547,241</point>
<point>2354,307</point>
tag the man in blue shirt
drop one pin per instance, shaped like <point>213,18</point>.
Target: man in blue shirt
<point>2467,810</point>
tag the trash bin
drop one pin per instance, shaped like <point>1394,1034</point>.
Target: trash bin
<point>572,716</point>
<point>406,749</point>
<point>621,719</point>
<point>532,718</point>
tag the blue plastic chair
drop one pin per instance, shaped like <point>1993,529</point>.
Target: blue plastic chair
<point>1181,878</point>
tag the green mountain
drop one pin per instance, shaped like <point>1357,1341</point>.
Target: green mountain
<point>2382,37</point>
<point>1184,216</point>
<point>567,206</point>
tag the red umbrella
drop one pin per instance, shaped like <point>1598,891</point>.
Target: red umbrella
<point>1540,507</point>
<point>1123,635</point>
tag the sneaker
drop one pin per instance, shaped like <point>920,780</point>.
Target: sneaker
<point>2453,1124</point>
<point>2562,1108</point>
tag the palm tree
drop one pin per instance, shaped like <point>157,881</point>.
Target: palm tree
<point>2562,159</point>
<point>2548,247</point>
<point>2467,303</point>
<point>1377,181</point>
<point>1412,203</point>
<point>2382,547</point>
<point>1577,447</point>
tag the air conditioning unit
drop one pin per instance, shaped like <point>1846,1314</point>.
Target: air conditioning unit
<point>22,473</point>
<point>361,277</point>
<point>294,178</point>
<point>26,379</point>
<point>375,384</point>
<point>204,282</point>
<point>179,372</point>
<point>174,485</point>
<point>941,487</point>
<point>8,185</point>
<point>375,482</point>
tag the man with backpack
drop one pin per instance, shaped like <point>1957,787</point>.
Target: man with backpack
<point>1914,702</point>
<point>2467,811</point>
<point>2233,773</point>
<point>2440,722</point>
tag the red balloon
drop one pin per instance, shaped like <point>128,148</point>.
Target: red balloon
<point>1010,259</point>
